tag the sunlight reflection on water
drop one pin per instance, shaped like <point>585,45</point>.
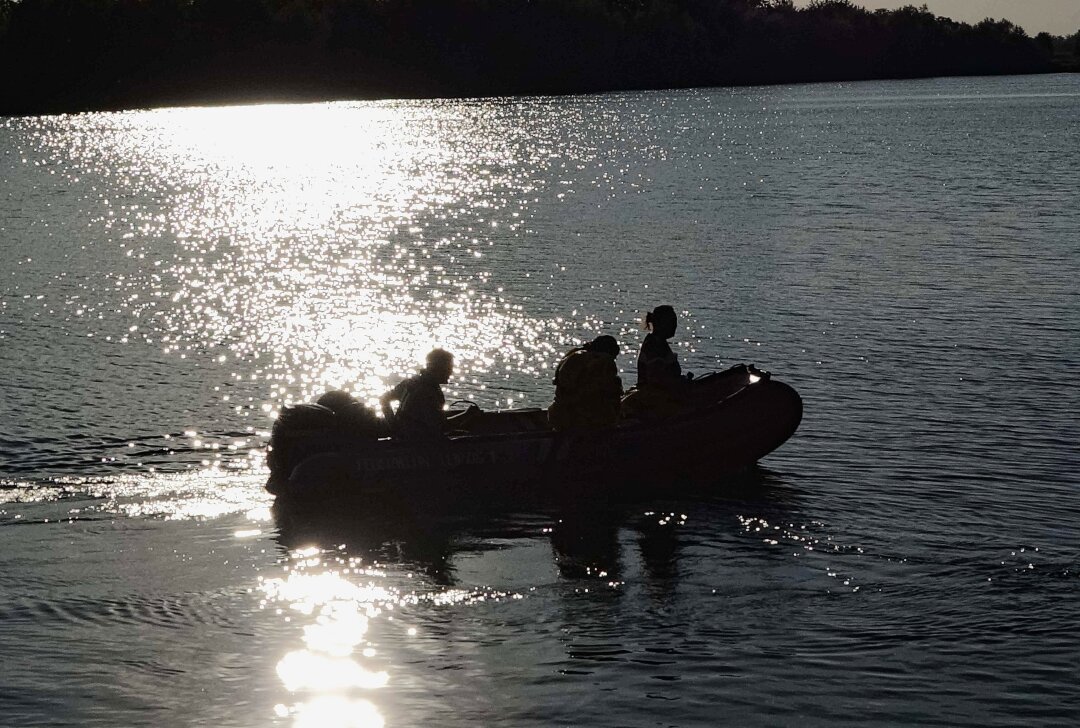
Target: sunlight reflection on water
<point>335,244</point>
<point>335,599</point>
<point>200,494</point>
<point>326,671</point>
<point>329,711</point>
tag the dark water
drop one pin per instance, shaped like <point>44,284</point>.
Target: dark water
<point>905,254</point>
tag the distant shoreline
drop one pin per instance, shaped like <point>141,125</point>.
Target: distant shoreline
<point>254,99</point>
<point>106,55</point>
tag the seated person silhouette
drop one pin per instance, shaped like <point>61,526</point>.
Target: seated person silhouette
<point>587,387</point>
<point>421,412</point>
<point>661,388</point>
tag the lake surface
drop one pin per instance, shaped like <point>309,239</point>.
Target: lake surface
<point>905,254</point>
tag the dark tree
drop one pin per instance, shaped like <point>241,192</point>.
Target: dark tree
<point>99,54</point>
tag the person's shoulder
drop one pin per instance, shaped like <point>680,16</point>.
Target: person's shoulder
<point>654,344</point>
<point>596,361</point>
<point>406,385</point>
<point>578,358</point>
<point>425,386</point>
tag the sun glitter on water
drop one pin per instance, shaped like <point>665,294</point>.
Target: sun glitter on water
<point>324,245</point>
<point>326,674</point>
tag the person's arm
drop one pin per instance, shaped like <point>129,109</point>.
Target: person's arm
<point>391,396</point>
<point>609,377</point>
<point>387,410</point>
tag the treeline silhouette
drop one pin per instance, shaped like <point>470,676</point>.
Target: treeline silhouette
<point>68,55</point>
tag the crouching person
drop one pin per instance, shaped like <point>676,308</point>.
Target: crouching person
<point>587,387</point>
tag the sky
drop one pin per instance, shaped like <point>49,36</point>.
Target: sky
<point>1060,17</point>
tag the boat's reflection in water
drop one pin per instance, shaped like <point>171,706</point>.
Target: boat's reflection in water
<point>582,530</point>
<point>586,542</point>
<point>349,565</point>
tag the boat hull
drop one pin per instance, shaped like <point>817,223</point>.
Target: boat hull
<point>751,416</point>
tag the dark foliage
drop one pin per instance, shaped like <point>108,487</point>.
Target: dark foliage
<point>67,55</point>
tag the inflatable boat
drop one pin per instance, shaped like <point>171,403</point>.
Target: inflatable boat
<point>732,419</point>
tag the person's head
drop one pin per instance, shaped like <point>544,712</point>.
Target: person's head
<point>439,365</point>
<point>662,321</point>
<point>604,345</point>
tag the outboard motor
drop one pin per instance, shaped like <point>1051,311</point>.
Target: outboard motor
<point>337,423</point>
<point>296,430</point>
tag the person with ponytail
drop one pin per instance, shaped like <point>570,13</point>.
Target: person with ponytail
<point>661,387</point>
<point>657,364</point>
